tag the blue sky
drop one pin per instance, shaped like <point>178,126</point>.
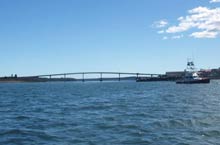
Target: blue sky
<point>56,36</point>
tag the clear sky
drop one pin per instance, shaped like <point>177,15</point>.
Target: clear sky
<point>152,36</point>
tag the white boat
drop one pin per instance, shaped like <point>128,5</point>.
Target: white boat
<point>191,76</point>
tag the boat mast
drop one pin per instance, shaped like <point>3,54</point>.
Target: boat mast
<point>190,65</point>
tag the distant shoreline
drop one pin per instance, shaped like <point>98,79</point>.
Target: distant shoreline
<point>31,79</point>
<point>139,79</point>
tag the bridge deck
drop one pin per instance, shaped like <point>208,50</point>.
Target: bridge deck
<point>101,73</point>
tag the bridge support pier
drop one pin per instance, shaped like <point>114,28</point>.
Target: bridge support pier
<point>119,77</point>
<point>83,78</point>
<point>137,75</point>
<point>101,77</point>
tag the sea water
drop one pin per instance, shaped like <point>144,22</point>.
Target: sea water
<point>110,113</point>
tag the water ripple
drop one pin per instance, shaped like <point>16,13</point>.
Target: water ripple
<point>109,113</point>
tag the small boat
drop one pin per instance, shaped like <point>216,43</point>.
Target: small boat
<point>191,76</point>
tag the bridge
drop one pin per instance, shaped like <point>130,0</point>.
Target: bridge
<point>118,75</point>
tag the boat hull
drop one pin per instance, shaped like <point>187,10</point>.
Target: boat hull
<point>202,81</point>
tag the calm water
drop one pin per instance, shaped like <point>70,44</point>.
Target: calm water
<point>109,113</point>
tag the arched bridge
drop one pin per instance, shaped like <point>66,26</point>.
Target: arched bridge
<point>117,75</point>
